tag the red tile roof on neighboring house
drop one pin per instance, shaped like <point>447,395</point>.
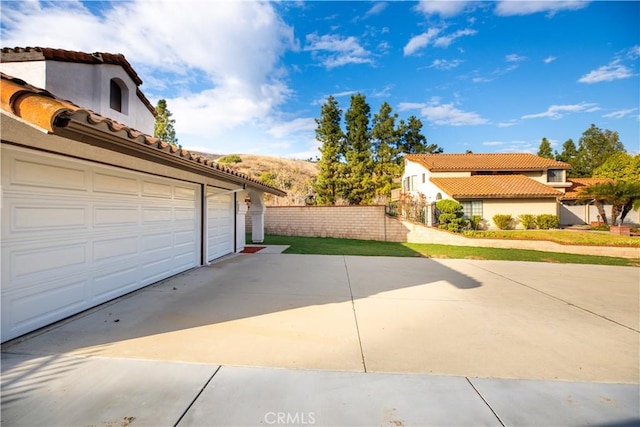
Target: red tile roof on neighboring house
<point>20,54</point>
<point>485,162</point>
<point>43,109</point>
<point>577,184</point>
<point>495,187</point>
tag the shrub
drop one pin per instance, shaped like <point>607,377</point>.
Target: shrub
<point>504,222</point>
<point>231,158</point>
<point>474,221</point>
<point>600,228</point>
<point>450,215</point>
<point>547,221</point>
<point>528,221</point>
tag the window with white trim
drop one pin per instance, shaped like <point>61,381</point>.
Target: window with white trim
<point>554,175</point>
<point>471,208</point>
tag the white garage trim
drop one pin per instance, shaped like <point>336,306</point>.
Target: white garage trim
<point>76,234</point>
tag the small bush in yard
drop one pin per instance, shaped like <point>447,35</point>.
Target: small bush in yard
<point>547,221</point>
<point>450,215</point>
<point>528,221</point>
<point>474,221</point>
<point>503,222</point>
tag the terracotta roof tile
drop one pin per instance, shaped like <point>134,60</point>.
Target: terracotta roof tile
<point>485,162</point>
<point>43,109</point>
<point>494,186</point>
<point>577,184</point>
<point>25,54</point>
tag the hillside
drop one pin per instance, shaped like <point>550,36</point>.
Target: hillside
<point>296,177</point>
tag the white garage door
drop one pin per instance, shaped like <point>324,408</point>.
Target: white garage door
<point>76,234</point>
<point>220,223</point>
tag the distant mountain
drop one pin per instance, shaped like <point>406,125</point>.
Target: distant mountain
<point>296,177</point>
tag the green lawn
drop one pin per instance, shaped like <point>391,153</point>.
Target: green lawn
<point>331,246</point>
<point>562,236</point>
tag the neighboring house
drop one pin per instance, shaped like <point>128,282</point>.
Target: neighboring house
<point>104,83</point>
<point>573,210</point>
<point>488,184</point>
<point>93,209</point>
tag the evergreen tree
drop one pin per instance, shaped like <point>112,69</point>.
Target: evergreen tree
<point>544,150</point>
<point>330,166</point>
<point>163,128</point>
<point>385,141</point>
<point>569,155</point>
<point>620,167</point>
<point>413,141</point>
<point>359,168</point>
<point>594,148</point>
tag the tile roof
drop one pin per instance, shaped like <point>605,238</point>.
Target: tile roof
<point>25,54</point>
<point>485,162</point>
<point>43,109</point>
<point>577,184</point>
<point>494,187</point>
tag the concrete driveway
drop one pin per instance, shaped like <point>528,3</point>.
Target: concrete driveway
<point>481,325</point>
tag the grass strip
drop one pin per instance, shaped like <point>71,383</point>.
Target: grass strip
<point>334,246</point>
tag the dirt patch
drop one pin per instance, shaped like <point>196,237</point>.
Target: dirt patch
<point>252,249</point>
<point>474,257</point>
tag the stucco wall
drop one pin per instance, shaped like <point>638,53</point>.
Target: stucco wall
<point>517,207</point>
<point>349,222</point>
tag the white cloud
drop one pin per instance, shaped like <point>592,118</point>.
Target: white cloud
<point>619,114</point>
<point>634,52</point>
<point>493,143</point>
<point>507,124</point>
<point>511,8</point>
<point>443,8</point>
<point>514,57</point>
<point>444,114</point>
<point>445,64</point>
<point>549,59</point>
<point>431,37</point>
<point>230,51</point>
<point>445,41</point>
<point>333,50</point>
<point>556,112</point>
<point>376,9</point>
<point>612,71</point>
<point>418,42</point>
<point>284,129</point>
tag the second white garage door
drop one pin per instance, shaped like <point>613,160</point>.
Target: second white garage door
<point>76,234</point>
<point>220,223</point>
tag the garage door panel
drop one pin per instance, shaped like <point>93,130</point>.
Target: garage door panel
<point>108,216</point>
<point>26,311</point>
<point>67,248</point>
<point>115,184</point>
<point>115,249</point>
<point>48,174</point>
<point>48,260</point>
<point>113,284</point>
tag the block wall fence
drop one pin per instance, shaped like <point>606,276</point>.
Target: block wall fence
<point>371,223</point>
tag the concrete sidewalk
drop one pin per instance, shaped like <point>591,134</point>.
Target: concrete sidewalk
<point>333,340</point>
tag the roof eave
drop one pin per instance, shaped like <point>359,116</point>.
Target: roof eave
<point>68,127</point>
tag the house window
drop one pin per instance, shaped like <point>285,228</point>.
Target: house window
<point>423,178</point>
<point>554,175</point>
<point>471,208</point>
<point>115,96</point>
<point>410,183</point>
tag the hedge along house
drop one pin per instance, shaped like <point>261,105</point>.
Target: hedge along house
<point>488,184</point>
<point>93,209</point>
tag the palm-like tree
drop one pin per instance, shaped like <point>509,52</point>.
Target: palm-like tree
<point>622,195</point>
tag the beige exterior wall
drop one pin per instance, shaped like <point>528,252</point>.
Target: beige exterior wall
<point>517,207</point>
<point>348,222</point>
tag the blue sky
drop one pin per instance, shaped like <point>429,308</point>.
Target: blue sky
<point>250,77</point>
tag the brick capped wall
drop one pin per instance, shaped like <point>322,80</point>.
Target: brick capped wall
<point>349,222</point>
